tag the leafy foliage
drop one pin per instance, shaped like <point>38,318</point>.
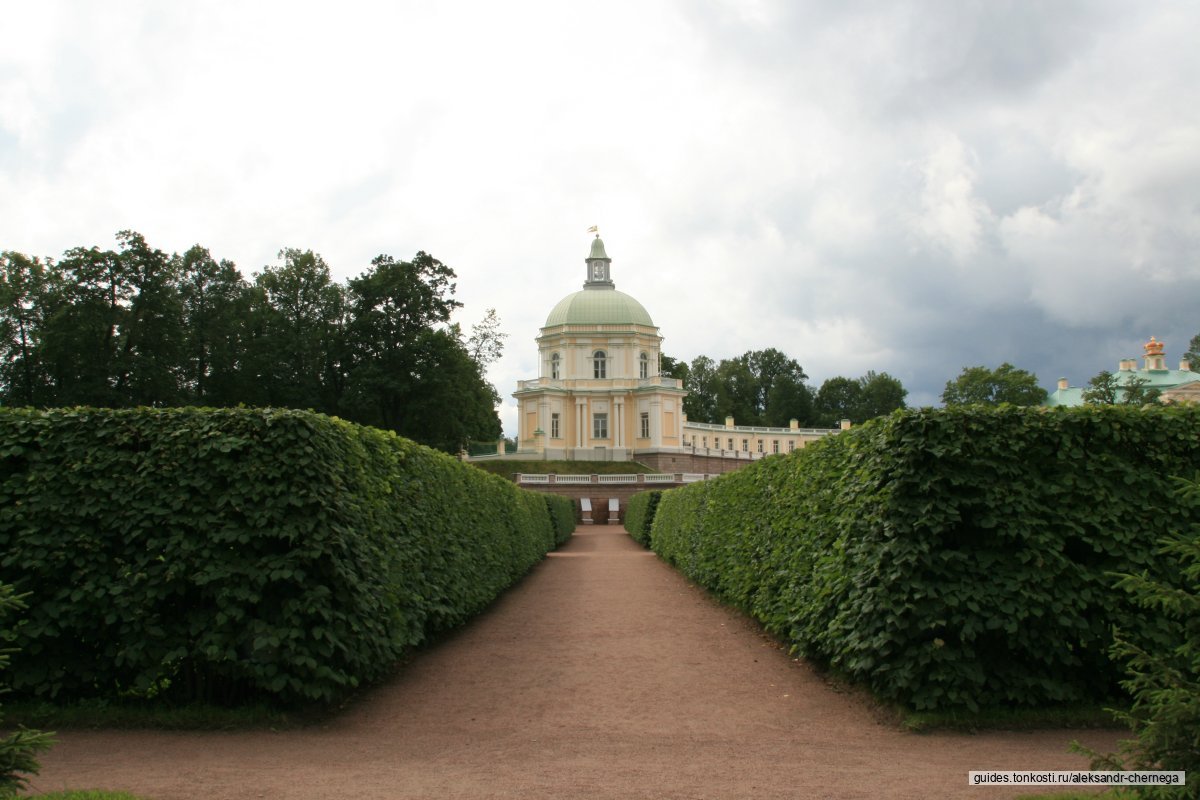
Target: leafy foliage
<point>231,555</point>
<point>639,515</point>
<point>991,387</point>
<point>1164,677</point>
<point>950,558</point>
<point>135,326</point>
<point>19,749</point>
<point>1108,389</point>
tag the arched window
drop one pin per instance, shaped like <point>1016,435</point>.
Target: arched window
<point>599,364</point>
<point>554,362</point>
<point>643,366</point>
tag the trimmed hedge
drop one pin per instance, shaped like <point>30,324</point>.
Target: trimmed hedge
<point>227,555</point>
<point>949,558</point>
<point>639,515</point>
<point>562,517</point>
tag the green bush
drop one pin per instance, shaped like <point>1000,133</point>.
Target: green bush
<point>562,514</point>
<point>231,555</point>
<point>639,515</point>
<point>949,558</point>
<point>1164,681</point>
<point>19,749</point>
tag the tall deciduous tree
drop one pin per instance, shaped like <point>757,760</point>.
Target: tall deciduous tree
<point>881,394</point>
<point>983,386</point>
<point>216,311</point>
<point>300,310</point>
<point>700,405</point>
<point>23,283</point>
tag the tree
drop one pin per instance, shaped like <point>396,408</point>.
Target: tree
<point>216,312</point>
<point>881,394</point>
<point>1193,353</point>
<point>19,749</point>
<point>700,405</point>
<point>1163,678</point>
<point>150,339</point>
<point>669,367</point>
<point>486,344</point>
<point>983,386</point>
<point>788,399</point>
<point>23,283</point>
<point>737,392</point>
<point>411,371</point>
<point>299,314</point>
<point>1107,389</point>
<point>1102,389</point>
<point>838,399</point>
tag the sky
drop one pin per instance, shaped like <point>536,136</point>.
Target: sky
<point>904,187</point>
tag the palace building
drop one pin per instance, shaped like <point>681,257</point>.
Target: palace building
<point>1174,385</point>
<point>600,396</point>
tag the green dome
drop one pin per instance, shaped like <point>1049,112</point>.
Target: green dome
<point>598,307</point>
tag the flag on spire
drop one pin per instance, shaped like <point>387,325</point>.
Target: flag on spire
<point>594,229</point>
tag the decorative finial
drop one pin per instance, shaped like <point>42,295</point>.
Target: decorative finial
<point>594,229</point>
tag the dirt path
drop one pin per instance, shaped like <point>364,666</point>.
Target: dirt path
<point>604,674</point>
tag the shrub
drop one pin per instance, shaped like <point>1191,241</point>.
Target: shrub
<point>562,514</point>
<point>236,554</point>
<point>948,558</point>
<point>19,749</point>
<point>1164,681</point>
<point>639,515</point>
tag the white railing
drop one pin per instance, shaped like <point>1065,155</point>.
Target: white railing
<point>617,478</point>
<point>665,478</point>
<point>573,479</point>
<point>523,477</point>
<point>693,477</point>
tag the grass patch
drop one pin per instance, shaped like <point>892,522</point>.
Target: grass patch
<point>508,469</point>
<point>94,714</point>
<point>88,794</point>
<point>1081,716</point>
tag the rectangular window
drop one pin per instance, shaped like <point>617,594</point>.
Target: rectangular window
<point>645,425</point>
<point>705,443</point>
<point>791,445</point>
<point>554,427</point>
<point>760,445</point>
<point>745,445</point>
<point>774,445</point>
<point>730,445</point>
<point>600,426</point>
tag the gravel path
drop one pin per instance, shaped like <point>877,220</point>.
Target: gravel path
<point>604,674</point>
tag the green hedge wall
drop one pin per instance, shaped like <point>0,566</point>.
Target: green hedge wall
<point>949,558</point>
<point>639,515</point>
<point>562,516</point>
<point>228,555</point>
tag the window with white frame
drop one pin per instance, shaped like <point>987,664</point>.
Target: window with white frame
<point>599,364</point>
<point>730,445</point>
<point>600,426</point>
<point>745,445</point>
<point>791,445</point>
<point>645,419</point>
<point>643,366</point>
<point>555,373</point>
<point>760,445</point>
<point>554,429</point>
<point>774,445</point>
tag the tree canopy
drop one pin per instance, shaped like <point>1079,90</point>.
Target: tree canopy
<point>134,326</point>
<point>768,387</point>
<point>991,387</point>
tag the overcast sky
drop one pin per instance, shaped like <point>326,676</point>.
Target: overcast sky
<point>901,187</point>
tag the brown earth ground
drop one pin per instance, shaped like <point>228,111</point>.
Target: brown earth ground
<point>604,674</point>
